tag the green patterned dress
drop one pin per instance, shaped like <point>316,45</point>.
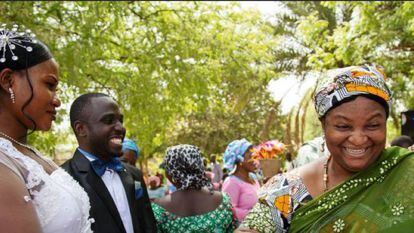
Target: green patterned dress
<point>375,200</point>
<point>219,220</point>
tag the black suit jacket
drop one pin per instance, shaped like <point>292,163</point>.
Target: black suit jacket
<point>103,208</point>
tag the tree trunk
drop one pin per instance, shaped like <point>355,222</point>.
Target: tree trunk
<point>297,127</point>
<point>303,122</point>
<point>143,164</point>
<point>264,134</point>
<point>288,136</point>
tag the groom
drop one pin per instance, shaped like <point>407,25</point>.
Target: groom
<point>116,205</point>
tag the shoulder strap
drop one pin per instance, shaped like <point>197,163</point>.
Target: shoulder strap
<point>11,164</point>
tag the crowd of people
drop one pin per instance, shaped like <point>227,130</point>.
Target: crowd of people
<point>348,180</point>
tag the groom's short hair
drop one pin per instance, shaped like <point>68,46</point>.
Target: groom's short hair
<point>78,106</point>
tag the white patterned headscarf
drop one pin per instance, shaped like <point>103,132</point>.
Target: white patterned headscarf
<point>340,84</point>
<point>184,164</point>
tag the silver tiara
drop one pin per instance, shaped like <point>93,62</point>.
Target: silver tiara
<point>9,39</point>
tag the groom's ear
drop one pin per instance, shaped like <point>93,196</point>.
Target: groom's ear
<point>80,128</point>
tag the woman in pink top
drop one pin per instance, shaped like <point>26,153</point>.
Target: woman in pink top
<point>239,186</point>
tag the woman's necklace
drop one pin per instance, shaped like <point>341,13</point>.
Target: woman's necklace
<point>325,175</point>
<point>17,142</point>
<point>50,165</point>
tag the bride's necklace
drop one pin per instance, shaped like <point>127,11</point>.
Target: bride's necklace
<point>18,143</point>
<point>29,148</point>
<point>325,175</point>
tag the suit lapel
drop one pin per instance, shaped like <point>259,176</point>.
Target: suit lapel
<point>129,186</point>
<point>98,186</point>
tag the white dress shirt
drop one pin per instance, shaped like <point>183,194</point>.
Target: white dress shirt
<point>115,187</point>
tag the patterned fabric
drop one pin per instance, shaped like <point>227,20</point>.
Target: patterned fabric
<point>219,220</point>
<point>185,166</point>
<point>129,144</point>
<point>377,199</point>
<point>278,200</point>
<point>235,152</point>
<point>343,83</point>
<point>260,219</point>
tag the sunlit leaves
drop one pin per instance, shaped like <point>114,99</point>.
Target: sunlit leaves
<point>166,63</point>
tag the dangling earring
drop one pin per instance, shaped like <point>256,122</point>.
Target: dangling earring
<point>12,97</point>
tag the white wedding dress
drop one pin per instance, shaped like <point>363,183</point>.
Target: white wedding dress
<point>61,203</point>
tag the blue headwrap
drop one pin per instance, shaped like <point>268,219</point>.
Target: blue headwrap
<point>129,144</point>
<point>235,152</point>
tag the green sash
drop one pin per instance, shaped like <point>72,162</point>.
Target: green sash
<point>378,199</point>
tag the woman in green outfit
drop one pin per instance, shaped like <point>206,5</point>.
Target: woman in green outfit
<point>361,186</point>
<point>194,207</point>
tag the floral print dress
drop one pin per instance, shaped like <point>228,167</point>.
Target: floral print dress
<point>219,220</point>
<point>278,200</point>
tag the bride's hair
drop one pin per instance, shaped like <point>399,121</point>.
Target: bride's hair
<point>20,50</point>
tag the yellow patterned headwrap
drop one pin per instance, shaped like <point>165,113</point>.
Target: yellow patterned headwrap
<point>343,83</point>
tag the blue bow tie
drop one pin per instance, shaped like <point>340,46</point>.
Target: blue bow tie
<point>100,166</point>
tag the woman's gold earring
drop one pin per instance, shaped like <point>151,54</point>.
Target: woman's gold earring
<point>12,97</point>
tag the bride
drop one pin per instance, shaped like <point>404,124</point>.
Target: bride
<point>35,194</point>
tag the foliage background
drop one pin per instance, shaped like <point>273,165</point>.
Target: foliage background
<point>197,72</point>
